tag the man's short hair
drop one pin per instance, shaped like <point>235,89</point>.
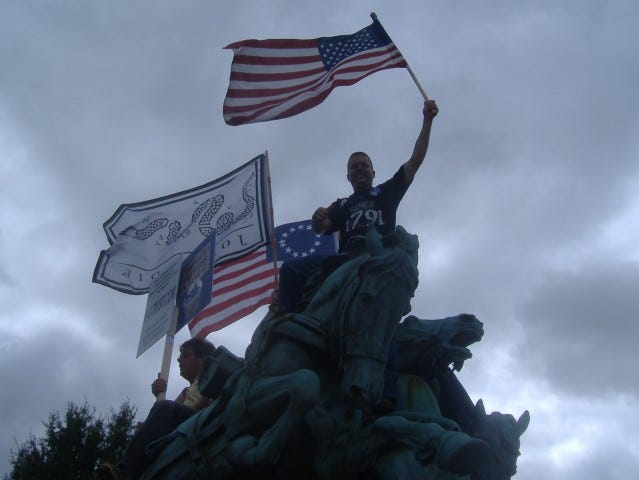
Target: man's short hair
<point>199,346</point>
<point>356,154</point>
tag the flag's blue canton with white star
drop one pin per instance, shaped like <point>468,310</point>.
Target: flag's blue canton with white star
<point>297,240</point>
<point>335,49</point>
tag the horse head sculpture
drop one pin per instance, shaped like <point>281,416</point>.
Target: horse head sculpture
<point>501,432</point>
<point>424,344</point>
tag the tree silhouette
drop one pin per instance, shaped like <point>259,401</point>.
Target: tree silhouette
<point>75,445</point>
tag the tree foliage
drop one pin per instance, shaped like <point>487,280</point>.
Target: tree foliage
<point>74,445</point>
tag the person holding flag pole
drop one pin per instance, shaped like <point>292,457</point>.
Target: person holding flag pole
<point>314,68</point>
<point>143,226</point>
<point>352,216</point>
<point>165,415</point>
<point>367,205</point>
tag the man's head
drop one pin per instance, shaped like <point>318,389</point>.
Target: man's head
<point>192,354</point>
<point>359,171</point>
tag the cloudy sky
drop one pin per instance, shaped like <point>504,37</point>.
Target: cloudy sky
<point>527,207</point>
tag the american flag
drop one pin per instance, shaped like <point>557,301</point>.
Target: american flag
<point>273,79</point>
<point>243,285</point>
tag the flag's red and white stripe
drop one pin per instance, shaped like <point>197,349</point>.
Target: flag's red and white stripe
<point>272,79</point>
<point>239,288</point>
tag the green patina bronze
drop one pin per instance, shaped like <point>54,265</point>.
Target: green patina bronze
<point>307,399</point>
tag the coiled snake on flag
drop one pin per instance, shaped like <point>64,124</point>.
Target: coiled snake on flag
<point>203,215</point>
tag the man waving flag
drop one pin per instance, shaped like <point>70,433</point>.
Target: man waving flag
<point>272,79</point>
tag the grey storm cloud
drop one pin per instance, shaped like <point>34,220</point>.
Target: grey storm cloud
<point>526,206</point>
<point>585,324</point>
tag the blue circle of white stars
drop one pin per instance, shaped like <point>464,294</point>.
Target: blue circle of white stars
<point>296,231</point>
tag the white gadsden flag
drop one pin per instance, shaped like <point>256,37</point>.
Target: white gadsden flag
<point>146,236</point>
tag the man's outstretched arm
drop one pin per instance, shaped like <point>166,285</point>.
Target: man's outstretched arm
<point>421,145</point>
<point>320,221</point>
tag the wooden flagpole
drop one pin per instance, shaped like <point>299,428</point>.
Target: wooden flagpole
<point>168,352</point>
<point>410,70</point>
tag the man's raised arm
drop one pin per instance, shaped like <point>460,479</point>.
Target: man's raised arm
<point>421,145</point>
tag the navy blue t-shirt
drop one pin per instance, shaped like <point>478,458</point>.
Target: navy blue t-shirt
<point>377,206</point>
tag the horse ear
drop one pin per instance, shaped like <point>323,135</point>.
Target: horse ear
<point>522,423</point>
<point>480,407</point>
